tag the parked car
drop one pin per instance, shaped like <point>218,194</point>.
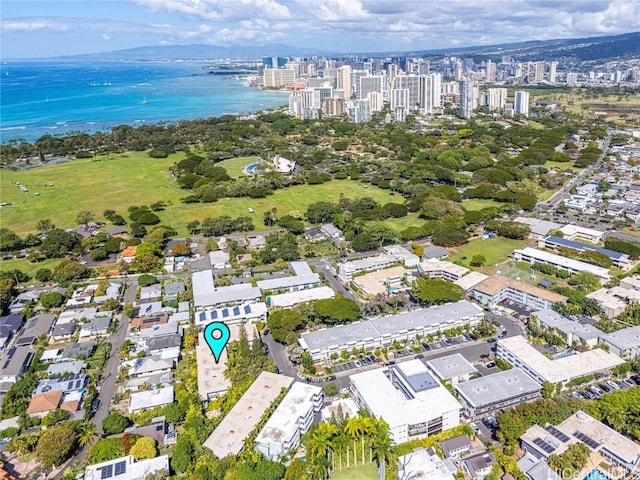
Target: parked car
<point>419,356</point>
<point>613,384</point>
<point>628,383</point>
<point>491,364</point>
<point>358,363</point>
<point>475,428</point>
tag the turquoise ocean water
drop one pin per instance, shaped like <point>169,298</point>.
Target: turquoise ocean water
<point>56,97</point>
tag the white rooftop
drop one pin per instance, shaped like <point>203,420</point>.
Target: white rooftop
<point>451,366</point>
<point>422,465</point>
<point>205,294</point>
<point>571,230</point>
<point>383,399</point>
<point>285,300</point>
<point>126,468</point>
<point>283,423</point>
<point>440,266</point>
<point>565,262</point>
<point>561,369</point>
<point>497,387</point>
<point>624,339</point>
<point>302,275</point>
<point>150,398</point>
<point>228,438</point>
<point>470,280</point>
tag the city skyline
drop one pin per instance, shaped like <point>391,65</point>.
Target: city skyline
<point>39,29</point>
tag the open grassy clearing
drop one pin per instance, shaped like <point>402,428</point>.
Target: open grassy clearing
<point>480,203</point>
<point>546,194</point>
<point>28,267</point>
<point>121,181</point>
<point>562,165</point>
<point>235,166</point>
<point>495,250</point>
<point>399,224</point>
<point>366,472</point>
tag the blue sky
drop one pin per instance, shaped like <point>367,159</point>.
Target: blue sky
<point>48,28</point>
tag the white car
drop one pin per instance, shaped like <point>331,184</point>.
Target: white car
<point>475,428</point>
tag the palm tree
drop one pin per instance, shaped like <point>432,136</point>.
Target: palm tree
<point>319,468</point>
<point>353,428</point>
<point>382,449</point>
<point>340,443</point>
<point>368,428</point>
<point>86,433</point>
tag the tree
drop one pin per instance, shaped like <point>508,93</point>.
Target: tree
<point>57,444</point>
<point>43,275</point>
<point>283,322</point>
<point>70,270</point>
<point>84,217</point>
<point>144,448</point>
<point>336,310</point>
<point>44,225</point>
<point>513,230</point>
<point>87,432</point>
<point>115,423</point>
<point>183,454</point>
<point>55,416</point>
<point>478,260</point>
<point>7,292</point>
<point>9,240</point>
<point>436,291</point>
<point>307,363</point>
<point>59,243</point>
<point>175,412</point>
<point>450,236</point>
<point>194,227</point>
<point>51,300</point>
<point>146,280</point>
<point>585,281</point>
<point>106,449</point>
<point>547,389</point>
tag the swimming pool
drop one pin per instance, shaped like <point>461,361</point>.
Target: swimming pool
<point>596,474</point>
<point>251,169</point>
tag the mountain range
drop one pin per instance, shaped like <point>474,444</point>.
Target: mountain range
<point>591,49</point>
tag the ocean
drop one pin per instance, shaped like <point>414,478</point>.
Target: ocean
<point>57,97</point>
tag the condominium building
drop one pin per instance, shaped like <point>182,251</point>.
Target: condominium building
<point>575,232</point>
<point>625,342</point>
<point>520,353</point>
<point>382,331</point>
<point>410,83</point>
<point>347,270</point>
<point>532,255</point>
<point>497,289</point>
<point>406,396</point>
<point>498,391</point>
<point>620,260</point>
<point>344,80</point>
<point>290,420</point>
<point>521,103</point>
<point>467,98</point>
<point>446,270</point>
<point>497,98</point>
<point>570,331</point>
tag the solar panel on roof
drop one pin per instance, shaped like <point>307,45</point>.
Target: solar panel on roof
<point>106,471</point>
<point>586,439</point>
<point>121,468</point>
<point>544,445</point>
<point>557,433</point>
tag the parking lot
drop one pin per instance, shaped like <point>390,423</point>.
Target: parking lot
<point>597,390</point>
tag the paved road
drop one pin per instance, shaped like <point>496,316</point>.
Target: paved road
<point>110,373</point>
<point>557,197</point>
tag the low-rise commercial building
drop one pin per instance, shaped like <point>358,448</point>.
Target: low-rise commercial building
<point>520,353</point>
<point>445,270</point>
<point>485,395</point>
<point>381,332</point>
<point>290,420</point>
<point>542,442</point>
<point>497,289</point>
<point>406,396</point>
<point>532,255</point>
<point>228,437</point>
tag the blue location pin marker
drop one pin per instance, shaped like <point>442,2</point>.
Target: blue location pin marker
<point>218,341</point>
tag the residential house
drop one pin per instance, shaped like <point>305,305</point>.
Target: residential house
<point>151,293</point>
<point>78,351</point>
<point>158,429</point>
<point>434,253</point>
<point>65,368</point>
<point>313,235</point>
<point>456,447</point>
<point>479,466</point>
<point>219,259</point>
<point>333,233</point>
<point>9,326</point>
<point>43,403</point>
<point>128,254</point>
<point>144,323</point>
<point>158,397</point>
<point>97,327</point>
<point>15,362</point>
<point>126,468</point>
<point>145,366</point>
<point>51,355</point>
<point>75,383</point>
<point>63,331</point>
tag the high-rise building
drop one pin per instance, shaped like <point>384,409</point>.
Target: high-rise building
<point>399,114</point>
<point>430,92</point>
<point>355,82</point>
<point>399,98</point>
<point>367,84</point>
<point>274,62</point>
<point>466,98</point>
<point>521,104</point>
<point>278,77</point>
<point>376,101</point>
<point>344,79</point>
<point>497,97</point>
<point>333,107</point>
<point>490,71</point>
<point>553,67</point>
<point>411,83</point>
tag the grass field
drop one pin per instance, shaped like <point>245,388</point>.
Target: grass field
<point>480,203</point>
<point>367,472</point>
<point>235,166</point>
<point>28,267</point>
<point>562,165</point>
<point>495,250</point>
<point>135,179</point>
<point>399,224</point>
<point>545,194</point>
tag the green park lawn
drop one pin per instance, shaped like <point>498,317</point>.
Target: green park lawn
<point>399,224</point>
<point>28,267</point>
<point>366,472</point>
<point>495,250</point>
<point>480,203</point>
<point>119,181</point>
<point>562,165</point>
<point>235,166</point>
